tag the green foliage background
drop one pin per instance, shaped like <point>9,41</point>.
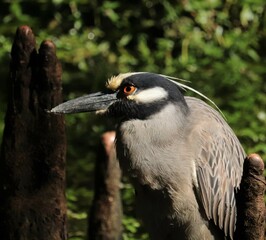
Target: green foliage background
<point>220,46</point>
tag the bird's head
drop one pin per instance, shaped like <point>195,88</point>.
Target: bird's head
<point>129,96</point>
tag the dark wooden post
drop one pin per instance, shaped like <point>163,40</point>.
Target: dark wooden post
<point>32,160</point>
<point>250,201</point>
<point>105,221</point>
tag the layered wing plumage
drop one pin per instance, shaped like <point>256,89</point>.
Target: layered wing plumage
<point>219,167</point>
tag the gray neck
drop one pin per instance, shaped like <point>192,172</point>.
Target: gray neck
<point>144,146</point>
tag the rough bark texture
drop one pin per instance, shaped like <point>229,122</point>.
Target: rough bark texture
<point>106,211</point>
<point>32,160</point>
<point>250,201</point>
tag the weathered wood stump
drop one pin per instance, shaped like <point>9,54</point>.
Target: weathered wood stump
<point>32,160</point>
<point>250,201</point>
<point>105,221</point>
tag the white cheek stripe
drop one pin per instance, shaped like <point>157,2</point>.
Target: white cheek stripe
<point>149,95</point>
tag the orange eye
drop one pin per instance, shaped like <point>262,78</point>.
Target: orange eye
<point>129,90</point>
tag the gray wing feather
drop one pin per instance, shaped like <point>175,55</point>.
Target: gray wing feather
<point>219,172</point>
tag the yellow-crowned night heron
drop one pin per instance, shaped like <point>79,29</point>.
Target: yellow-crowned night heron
<point>184,160</point>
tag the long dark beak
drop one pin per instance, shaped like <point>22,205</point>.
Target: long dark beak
<point>88,103</point>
